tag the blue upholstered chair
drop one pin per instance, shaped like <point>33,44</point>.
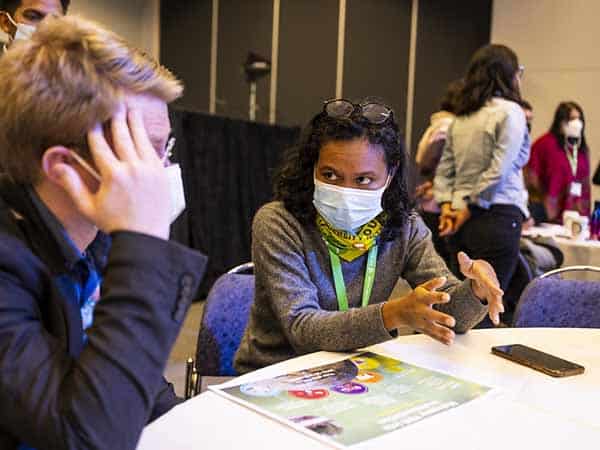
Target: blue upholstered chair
<point>552,300</point>
<point>223,321</point>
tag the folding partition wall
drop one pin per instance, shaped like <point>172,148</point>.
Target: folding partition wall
<point>401,51</point>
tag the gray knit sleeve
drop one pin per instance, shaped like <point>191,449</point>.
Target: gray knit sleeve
<point>423,263</point>
<point>284,281</point>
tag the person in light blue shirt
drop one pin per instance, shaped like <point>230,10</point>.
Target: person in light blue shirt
<point>479,181</point>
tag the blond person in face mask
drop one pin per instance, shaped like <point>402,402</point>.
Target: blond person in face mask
<point>340,235</point>
<point>559,166</point>
<point>19,18</point>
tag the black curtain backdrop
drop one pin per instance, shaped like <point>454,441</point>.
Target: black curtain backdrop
<point>226,166</point>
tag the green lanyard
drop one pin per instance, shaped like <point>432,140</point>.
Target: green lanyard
<point>572,159</point>
<point>338,278</point>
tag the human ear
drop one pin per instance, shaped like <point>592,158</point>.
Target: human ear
<point>52,158</point>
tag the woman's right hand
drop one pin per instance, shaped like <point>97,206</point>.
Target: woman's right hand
<point>416,311</point>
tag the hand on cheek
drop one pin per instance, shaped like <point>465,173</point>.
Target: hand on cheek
<point>133,193</point>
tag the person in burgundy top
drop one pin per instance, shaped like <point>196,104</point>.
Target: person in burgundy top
<point>559,166</point>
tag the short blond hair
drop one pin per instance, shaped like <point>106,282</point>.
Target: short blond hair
<point>71,75</point>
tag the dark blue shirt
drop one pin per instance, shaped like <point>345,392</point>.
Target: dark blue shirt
<point>81,276</point>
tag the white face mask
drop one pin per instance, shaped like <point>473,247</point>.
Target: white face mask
<point>24,31</point>
<point>573,128</point>
<point>176,189</point>
<point>175,185</point>
<point>345,208</point>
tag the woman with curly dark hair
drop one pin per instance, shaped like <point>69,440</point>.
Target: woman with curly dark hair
<point>340,235</point>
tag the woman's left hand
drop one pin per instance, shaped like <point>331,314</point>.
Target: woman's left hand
<point>484,282</point>
<point>452,220</point>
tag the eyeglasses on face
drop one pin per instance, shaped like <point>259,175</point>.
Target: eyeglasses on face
<point>374,112</point>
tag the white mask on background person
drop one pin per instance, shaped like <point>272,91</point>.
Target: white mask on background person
<point>345,208</point>
<point>176,192</point>
<point>573,129</point>
<point>24,31</point>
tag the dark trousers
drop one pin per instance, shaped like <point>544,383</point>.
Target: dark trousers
<point>493,234</point>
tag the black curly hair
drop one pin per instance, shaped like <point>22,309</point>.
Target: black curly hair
<point>293,179</point>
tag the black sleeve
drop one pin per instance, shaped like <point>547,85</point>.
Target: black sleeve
<point>105,397</point>
<point>165,400</point>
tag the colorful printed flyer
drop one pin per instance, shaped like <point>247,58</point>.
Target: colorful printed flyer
<point>354,400</point>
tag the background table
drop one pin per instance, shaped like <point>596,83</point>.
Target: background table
<point>585,253</point>
<point>531,410</point>
<point>576,252</point>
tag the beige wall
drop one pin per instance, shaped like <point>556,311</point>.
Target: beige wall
<point>558,41</point>
<point>135,20</point>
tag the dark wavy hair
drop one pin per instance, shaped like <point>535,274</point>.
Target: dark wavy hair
<point>293,179</point>
<point>451,95</point>
<point>11,6</point>
<point>491,73</point>
<point>562,113</point>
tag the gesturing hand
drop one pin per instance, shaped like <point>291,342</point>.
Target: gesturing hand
<point>416,311</point>
<point>133,193</point>
<point>484,282</point>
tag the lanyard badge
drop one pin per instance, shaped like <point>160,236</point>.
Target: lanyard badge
<point>346,246</point>
<point>572,157</point>
<point>338,277</point>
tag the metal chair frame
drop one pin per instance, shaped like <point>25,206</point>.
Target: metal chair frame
<point>243,268</point>
<point>570,269</point>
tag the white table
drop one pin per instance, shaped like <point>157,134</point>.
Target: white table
<point>530,411</point>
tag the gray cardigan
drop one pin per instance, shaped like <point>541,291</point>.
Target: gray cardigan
<point>295,308</point>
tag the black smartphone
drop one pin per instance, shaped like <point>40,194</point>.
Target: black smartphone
<point>538,360</point>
